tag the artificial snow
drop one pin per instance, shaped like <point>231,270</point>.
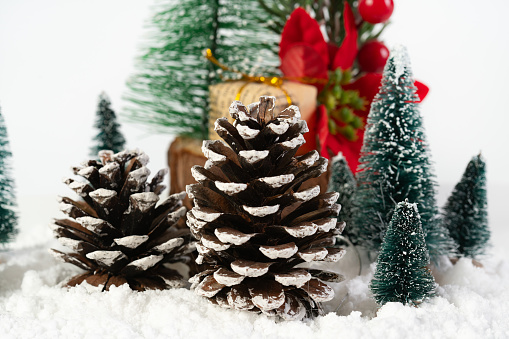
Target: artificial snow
<point>279,129</point>
<point>301,231</point>
<point>101,195</point>
<point>471,302</point>
<point>197,175</point>
<point>232,236</point>
<point>211,155</point>
<point>253,156</point>
<point>228,278</point>
<point>278,180</point>
<point>308,194</point>
<point>313,254</point>
<point>230,188</point>
<point>214,243</point>
<point>131,241</point>
<point>107,258</point>
<point>297,277</point>
<point>167,246</point>
<point>246,132</point>
<point>261,211</point>
<point>295,142</point>
<point>310,158</point>
<point>145,263</point>
<point>279,251</point>
<point>144,201</point>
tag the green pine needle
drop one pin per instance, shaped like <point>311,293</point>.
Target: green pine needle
<point>395,163</point>
<point>170,88</point>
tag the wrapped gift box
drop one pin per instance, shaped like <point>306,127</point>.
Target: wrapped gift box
<point>222,95</point>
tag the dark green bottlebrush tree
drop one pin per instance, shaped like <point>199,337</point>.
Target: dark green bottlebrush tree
<point>8,216</point>
<point>109,136</point>
<point>395,163</point>
<point>170,89</point>
<point>343,181</point>
<point>465,213</point>
<point>401,274</point>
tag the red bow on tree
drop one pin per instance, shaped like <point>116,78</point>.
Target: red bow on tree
<point>304,53</point>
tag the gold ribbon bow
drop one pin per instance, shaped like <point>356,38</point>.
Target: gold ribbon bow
<point>271,81</point>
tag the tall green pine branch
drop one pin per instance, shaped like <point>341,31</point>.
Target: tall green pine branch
<point>170,89</point>
<point>465,213</point>
<point>395,163</point>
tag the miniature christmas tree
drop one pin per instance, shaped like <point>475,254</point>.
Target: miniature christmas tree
<point>395,164</point>
<point>401,274</point>
<point>343,181</point>
<point>253,223</point>
<point>171,87</point>
<point>465,213</point>
<point>119,232</point>
<point>8,217</point>
<point>109,136</point>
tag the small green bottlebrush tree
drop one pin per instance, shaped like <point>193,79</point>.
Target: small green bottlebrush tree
<point>109,136</point>
<point>8,217</point>
<point>343,181</point>
<point>395,163</point>
<point>401,274</point>
<point>170,89</point>
<point>465,213</point>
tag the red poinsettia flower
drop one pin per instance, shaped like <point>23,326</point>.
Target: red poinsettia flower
<point>304,53</point>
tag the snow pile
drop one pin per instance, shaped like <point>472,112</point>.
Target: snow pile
<point>471,302</point>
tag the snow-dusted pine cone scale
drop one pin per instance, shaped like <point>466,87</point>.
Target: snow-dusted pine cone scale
<point>254,225</point>
<point>119,231</point>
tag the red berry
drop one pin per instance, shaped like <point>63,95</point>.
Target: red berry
<point>372,56</point>
<point>376,11</point>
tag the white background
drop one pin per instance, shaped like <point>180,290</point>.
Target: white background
<point>56,56</point>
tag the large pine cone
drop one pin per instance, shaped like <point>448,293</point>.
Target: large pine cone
<point>253,224</point>
<point>119,232</point>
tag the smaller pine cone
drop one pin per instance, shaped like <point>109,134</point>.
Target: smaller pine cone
<point>254,222</point>
<point>119,231</point>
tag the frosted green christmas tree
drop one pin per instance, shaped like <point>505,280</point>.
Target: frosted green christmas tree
<point>343,181</point>
<point>109,136</point>
<point>395,164</point>
<point>465,213</point>
<point>170,89</point>
<point>8,217</point>
<point>401,274</point>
